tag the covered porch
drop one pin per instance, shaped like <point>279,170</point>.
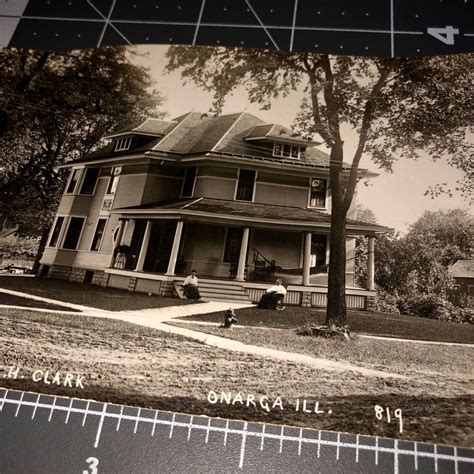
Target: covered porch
<point>166,242</point>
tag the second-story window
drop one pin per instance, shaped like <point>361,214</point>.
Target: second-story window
<point>189,180</point>
<point>71,186</point>
<point>89,181</point>
<point>123,144</point>
<point>245,186</point>
<point>286,151</point>
<point>318,192</point>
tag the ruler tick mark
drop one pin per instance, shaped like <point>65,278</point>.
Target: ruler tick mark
<point>19,404</point>
<point>300,441</point>
<point>119,419</point>
<point>456,460</point>
<point>263,438</point>
<point>3,400</point>
<point>207,431</point>
<point>319,443</point>
<point>36,406</point>
<point>281,438</point>
<point>85,413</point>
<point>415,451</point>
<point>154,423</point>
<point>190,427</point>
<point>376,450</point>
<point>337,445</point>
<point>99,428</point>
<point>136,422</point>
<point>226,432</point>
<point>395,457</point>
<point>242,446</point>
<point>68,411</point>
<point>172,425</point>
<point>357,448</point>
<point>52,409</point>
<point>435,452</point>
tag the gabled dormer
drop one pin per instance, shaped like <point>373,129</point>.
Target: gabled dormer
<point>279,140</point>
<point>150,130</point>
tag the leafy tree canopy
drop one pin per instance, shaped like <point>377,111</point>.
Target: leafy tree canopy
<point>55,107</point>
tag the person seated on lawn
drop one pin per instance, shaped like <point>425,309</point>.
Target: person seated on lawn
<point>190,286</point>
<point>273,297</point>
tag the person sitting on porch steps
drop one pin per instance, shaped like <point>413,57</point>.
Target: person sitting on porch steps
<point>190,286</point>
<point>273,297</point>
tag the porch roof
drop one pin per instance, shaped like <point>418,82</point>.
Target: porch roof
<point>226,211</point>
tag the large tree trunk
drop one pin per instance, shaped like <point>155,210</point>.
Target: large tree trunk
<point>336,307</point>
<point>336,315</point>
<point>41,247</point>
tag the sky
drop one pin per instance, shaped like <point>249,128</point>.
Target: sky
<point>397,199</point>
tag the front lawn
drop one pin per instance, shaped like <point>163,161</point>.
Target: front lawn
<point>130,364</point>
<point>363,322</point>
<point>110,299</point>
<point>13,300</point>
<point>437,362</point>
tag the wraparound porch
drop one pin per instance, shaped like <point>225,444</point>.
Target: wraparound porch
<point>221,251</point>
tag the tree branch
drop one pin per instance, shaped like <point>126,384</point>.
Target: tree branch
<point>365,126</point>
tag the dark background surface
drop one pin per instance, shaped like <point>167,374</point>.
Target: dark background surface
<point>365,27</point>
<point>54,434</point>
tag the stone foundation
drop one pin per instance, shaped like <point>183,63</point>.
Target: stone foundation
<point>306,299</point>
<point>370,303</point>
<point>100,278</point>
<point>60,272</point>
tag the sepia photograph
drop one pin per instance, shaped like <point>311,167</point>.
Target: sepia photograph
<point>241,233</point>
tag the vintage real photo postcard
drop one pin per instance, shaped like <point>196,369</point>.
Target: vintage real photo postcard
<point>250,234</point>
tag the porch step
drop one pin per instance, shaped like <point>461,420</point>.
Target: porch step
<point>216,291</point>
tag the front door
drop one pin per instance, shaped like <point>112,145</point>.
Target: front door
<point>159,249</point>
<point>318,250</point>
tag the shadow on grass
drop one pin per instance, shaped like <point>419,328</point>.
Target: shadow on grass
<point>110,299</point>
<point>362,322</point>
<point>444,420</point>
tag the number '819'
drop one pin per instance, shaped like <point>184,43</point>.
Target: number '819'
<point>382,413</point>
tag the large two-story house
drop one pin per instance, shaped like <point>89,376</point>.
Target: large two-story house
<point>237,199</point>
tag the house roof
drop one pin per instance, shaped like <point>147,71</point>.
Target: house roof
<point>462,269</point>
<point>150,126</point>
<point>197,134</point>
<point>246,211</point>
<point>278,133</point>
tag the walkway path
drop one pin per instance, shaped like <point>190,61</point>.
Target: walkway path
<point>155,318</point>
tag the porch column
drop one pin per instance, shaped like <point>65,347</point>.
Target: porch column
<point>243,255</point>
<point>306,258</point>
<point>117,242</point>
<point>370,264</point>
<point>175,249</point>
<point>144,247</point>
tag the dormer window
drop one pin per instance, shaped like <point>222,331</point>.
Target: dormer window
<point>286,151</point>
<point>123,144</point>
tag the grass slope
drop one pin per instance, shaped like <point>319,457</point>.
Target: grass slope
<point>380,324</point>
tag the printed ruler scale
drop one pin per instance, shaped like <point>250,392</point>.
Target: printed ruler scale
<point>44,433</point>
<point>400,28</point>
